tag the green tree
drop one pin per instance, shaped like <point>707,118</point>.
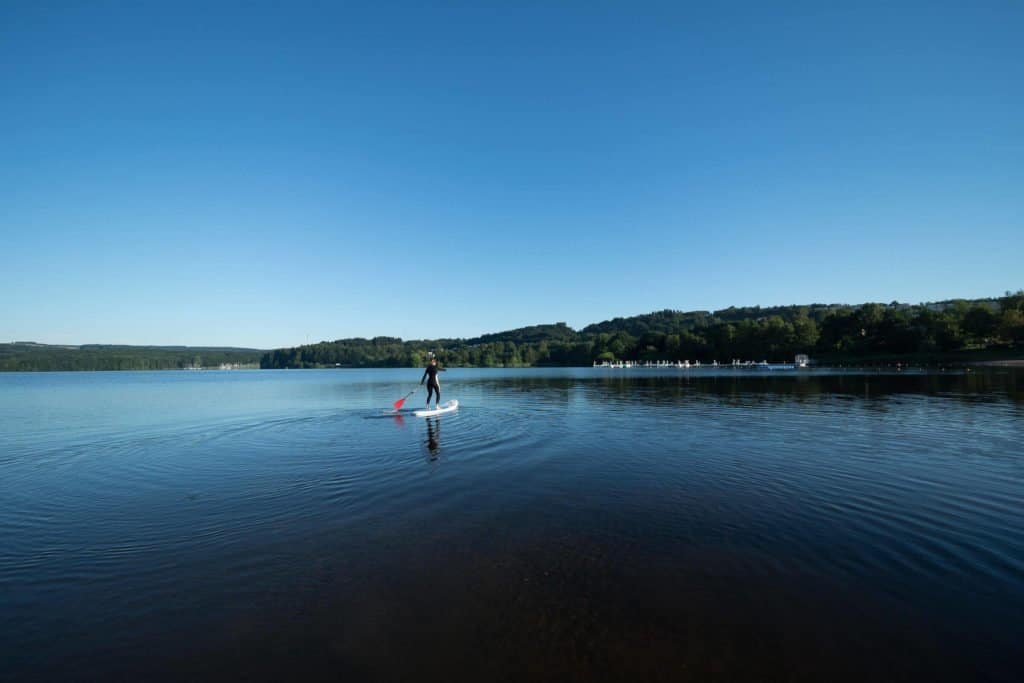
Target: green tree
<point>980,322</point>
<point>672,346</point>
<point>805,334</point>
<point>1011,325</point>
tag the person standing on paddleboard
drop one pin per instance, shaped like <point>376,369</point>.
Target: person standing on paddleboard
<point>430,376</point>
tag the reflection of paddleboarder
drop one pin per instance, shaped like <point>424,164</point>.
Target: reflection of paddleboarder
<point>433,436</point>
<point>433,388</point>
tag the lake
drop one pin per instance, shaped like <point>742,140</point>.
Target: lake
<point>564,524</point>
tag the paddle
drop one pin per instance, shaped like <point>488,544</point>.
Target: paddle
<point>399,402</point>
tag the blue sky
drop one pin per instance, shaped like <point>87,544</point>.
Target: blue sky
<point>274,174</point>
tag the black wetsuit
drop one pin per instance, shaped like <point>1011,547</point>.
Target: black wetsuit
<point>432,386</point>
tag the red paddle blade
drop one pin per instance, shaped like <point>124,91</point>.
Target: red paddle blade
<point>398,404</point>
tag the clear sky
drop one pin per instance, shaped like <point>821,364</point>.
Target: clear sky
<point>274,174</point>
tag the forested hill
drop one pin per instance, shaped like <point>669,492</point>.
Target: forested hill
<point>32,356</point>
<point>529,335</point>
<point>669,321</point>
<point>831,331</point>
<point>828,332</point>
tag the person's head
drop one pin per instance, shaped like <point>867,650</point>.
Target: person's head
<point>433,360</point>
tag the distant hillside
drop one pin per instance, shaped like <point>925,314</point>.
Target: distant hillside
<point>831,331</point>
<point>670,321</point>
<point>30,356</point>
<point>528,335</point>
<point>956,328</point>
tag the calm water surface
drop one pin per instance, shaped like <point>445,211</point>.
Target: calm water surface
<point>571,524</point>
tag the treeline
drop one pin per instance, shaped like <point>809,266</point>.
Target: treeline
<point>393,352</point>
<point>26,356</point>
<point>752,333</point>
<point>826,332</point>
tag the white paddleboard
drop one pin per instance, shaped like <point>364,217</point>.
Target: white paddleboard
<point>446,407</point>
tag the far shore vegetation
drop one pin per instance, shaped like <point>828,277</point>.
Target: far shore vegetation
<point>29,356</point>
<point>951,332</point>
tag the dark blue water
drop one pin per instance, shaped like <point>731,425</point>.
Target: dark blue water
<point>583,524</point>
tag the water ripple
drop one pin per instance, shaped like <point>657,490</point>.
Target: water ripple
<point>575,502</point>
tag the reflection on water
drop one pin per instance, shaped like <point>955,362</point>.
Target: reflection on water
<point>642,384</point>
<point>433,435</point>
<point>587,524</point>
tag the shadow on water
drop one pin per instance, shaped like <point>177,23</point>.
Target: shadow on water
<point>395,416</point>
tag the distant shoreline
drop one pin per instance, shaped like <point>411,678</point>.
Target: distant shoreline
<point>954,333</point>
<point>832,363</point>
